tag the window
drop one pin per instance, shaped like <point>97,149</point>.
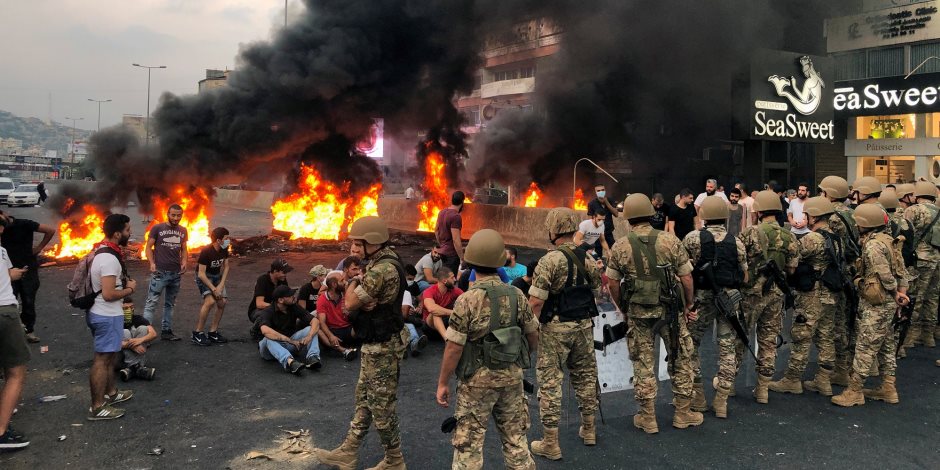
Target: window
<point>527,72</point>
<point>477,80</point>
<point>921,52</point>
<point>886,62</point>
<point>471,116</point>
<point>505,75</point>
<point>898,126</point>
<point>851,66</point>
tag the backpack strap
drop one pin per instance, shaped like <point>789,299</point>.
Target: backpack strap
<point>707,239</point>
<point>645,248</point>
<point>493,293</point>
<point>576,264</point>
<point>852,236</point>
<point>119,256</point>
<point>920,236</point>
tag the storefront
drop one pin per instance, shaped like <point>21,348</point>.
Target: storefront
<point>893,127</point>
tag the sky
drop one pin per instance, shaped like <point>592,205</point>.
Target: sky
<point>81,49</point>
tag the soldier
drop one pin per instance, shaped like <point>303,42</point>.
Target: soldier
<point>818,278</point>
<point>767,241</point>
<point>375,306</point>
<point>904,193</point>
<point>488,384</point>
<point>842,225</point>
<point>561,298</point>
<point>867,189</point>
<point>635,260</point>
<point>727,261</point>
<point>899,226</point>
<point>923,218</point>
<point>882,277</point>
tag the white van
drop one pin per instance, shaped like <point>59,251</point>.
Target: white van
<point>6,187</point>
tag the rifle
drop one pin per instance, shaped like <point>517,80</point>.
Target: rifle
<point>674,308</point>
<point>728,304</point>
<point>776,276</point>
<point>902,321</point>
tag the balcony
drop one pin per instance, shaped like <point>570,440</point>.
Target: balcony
<point>508,87</point>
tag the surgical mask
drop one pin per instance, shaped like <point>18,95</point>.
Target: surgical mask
<point>411,282</point>
<point>601,193</point>
<point>225,244</point>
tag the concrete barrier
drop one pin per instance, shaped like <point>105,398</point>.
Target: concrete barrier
<point>253,200</point>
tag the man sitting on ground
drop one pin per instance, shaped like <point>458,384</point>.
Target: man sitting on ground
<point>427,268</point>
<point>265,285</point>
<point>309,293</point>
<point>525,282</point>
<point>513,269</point>
<point>437,301</point>
<point>335,330</point>
<point>284,335</point>
<point>412,318</point>
<point>138,334</point>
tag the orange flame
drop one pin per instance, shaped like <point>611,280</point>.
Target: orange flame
<point>196,210</point>
<point>533,196</point>
<point>78,236</point>
<point>579,204</point>
<point>435,192</point>
<point>322,210</point>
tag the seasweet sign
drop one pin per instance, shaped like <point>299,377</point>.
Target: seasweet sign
<point>887,96</point>
<point>790,98</point>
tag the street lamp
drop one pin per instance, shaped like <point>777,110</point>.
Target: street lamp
<point>147,121</point>
<point>72,144</point>
<point>574,181</point>
<point>99,109</point>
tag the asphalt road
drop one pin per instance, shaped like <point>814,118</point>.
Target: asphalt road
<point>210,406</point>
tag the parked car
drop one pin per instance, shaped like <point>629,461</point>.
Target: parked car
<point>6,187</point>
<point>490,196</point>
<point>24,195</point>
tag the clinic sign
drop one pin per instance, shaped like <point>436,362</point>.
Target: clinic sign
<point>790,98</point>
<point>919,93</point>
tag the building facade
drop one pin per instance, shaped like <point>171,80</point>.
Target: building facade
<point>214,79</point>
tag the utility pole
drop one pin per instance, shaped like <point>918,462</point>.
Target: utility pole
<point>285,13</point>
<point>72,143</point>
<point>147,121</point>
<point>99,109</point>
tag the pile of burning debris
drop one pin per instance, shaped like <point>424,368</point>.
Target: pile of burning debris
<point>279,241</point>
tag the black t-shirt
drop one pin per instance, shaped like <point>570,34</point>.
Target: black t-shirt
<point>213,259</point>
<point>309,294</point>
<point>17,238</point>
<point>684,219</point>
<point>659,218</point>
<point>596,207</point>
<point>782,216</point>
<point>520,283</point>
<point>263,288</point>
<point>136,320</point>
<point>286,323</point>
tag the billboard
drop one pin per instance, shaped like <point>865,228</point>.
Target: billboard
<point>898,25</point>
<point>373,145</point>
<point>790,99</point>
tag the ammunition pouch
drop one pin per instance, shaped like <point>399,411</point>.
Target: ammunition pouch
<point>804,278</point>
<point>503,346</point>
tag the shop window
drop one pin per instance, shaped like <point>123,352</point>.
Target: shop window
<point>888,170</point>
<point>899,126</point>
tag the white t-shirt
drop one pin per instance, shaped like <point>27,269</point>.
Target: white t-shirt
<point>106,264</point>
<point>701,198</point>
<point>796,209</point>
<point>427,262</point>
<point>6,289</point>
<point>591,233</point>
<point>410,193</point>
<point>407,300</point>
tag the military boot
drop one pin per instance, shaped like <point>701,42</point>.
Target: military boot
<point>840,376</point>
<point>913,337</point>
<point>852,395</point>
<point>928,337</point>
<point>548,446</point>
<point>343,457</point>
<point>720,403</point>
<point>787,385</point>
<point>731,392</point>
<point>886,392</point>
<point>760,391</point>
<point>645,417</point>
<point>698,397</point>
<point>684,416</point>
<point>393,460</point>
<point>820,383</point>
<point>587,431</point>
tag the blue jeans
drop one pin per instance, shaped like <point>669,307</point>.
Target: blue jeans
<point>422,285</point>
<point>415,335</point>
<point>281,351</point>
<point>161,281</point>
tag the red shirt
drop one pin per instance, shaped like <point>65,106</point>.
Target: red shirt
<point>444,299</point>
<point>331,312</point>
<point>447,219</point>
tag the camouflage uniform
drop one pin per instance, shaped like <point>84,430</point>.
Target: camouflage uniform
<point>569,343</point>
<point>815,312</point>
<point>489,392</point>
<point>641,319</point>
<point>844,345</point>
<point>377,388</point>
<point>707,312</point>
<point>927,285</point>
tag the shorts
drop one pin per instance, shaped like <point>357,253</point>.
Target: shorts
<point>13,349</point>
<point>204,289</point>
<point>108,331</point>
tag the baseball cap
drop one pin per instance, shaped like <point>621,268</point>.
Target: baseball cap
<point>318,271</point>
<point>281,265</point>
<point>283,291</point>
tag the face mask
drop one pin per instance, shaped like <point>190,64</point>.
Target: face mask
<point>411,282</point>
<point>225,244</point>
<point>601,193</point>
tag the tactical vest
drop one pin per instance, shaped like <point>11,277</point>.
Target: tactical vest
<point>384,321</point>
<point>777,241</point>
<point>832,275</point>
<point>870,287</point>
<point>931,233</point>
<point>502,346</point>
<point>724,259</point>
<point>575,301</point>
<point>647,288</point>
<point>908,247</point>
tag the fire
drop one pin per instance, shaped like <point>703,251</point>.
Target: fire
<point>78,235</point>
<point>579,204</point>
<point>322,210</point>
<point>196,210</point>
<point>533,196</point>
<point>435,192</point>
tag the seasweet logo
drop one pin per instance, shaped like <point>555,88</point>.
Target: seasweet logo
<point>804,99</point>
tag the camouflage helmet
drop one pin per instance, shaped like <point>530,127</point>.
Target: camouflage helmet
<point>562,220</point>
<point>714,208</point>
<point>637,205</point>
<point>818,206</point>
<point>371,229</point>
<point>867,185</point>
<point>767,200</point>
<point>889,199</point>
<point>835,187</point>
<point>870,216</point>
<point>486,249</point>
<point>925,189</point>
<point>905,189</point>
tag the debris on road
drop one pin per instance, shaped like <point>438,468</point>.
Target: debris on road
<point>156,451</point>
<point>49,398</point>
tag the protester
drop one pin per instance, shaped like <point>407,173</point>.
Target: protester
<point>106,317</point>
<point>289,333</point>
<point>523,283</point>
<point>437,301</point>
<point>513,269</point>
<point>711,189</point>
<point>427,268</point>
<point>309,293</point>
<point>410,192</point>
<point>138,334</point>
<point>412,318</point>
<point>591,233</point>
<point>352,267</point>
<point>41,189</point>
<point>747,200</point>
<point>355,251</point>
<point>601,203</point>
<point>737,214</point>
<point>166,250</point>
<point>683,217</point>
<point>17,239</point>
<point>501,272</point>
<point>265,285</point>
<point>795,214</point>
<point>447,231</point>
<point>14,352</point>
<point>212,272</point>
<point>661,216</point>
<point>335,330</point>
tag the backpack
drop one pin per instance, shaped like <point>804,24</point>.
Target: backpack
<point>777,241</point>
<point>931,234</point>
<point>908,247</point>
<point>503,346</point>
<point>833,275</point>
<point>82,294</point>
<point>648,288</point>
<point>724,259</point>
<point>851,249</point>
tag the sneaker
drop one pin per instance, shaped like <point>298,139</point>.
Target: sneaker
<point>314,363</point>
<point>119,396</point>
<point>200,339</point>
<point>126,374</point>
<point>12,441</point>
<point>350,354</point>
<point>104,412</point>
<point>419,345</point>
<point>145,373</point>
<point>215,337</point>
<point>295,367</point>
<point>32,338</point>
<point>167,335</point>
